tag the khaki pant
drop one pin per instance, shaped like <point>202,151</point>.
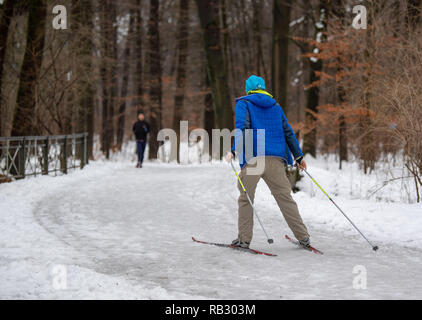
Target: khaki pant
<point>275,177</point>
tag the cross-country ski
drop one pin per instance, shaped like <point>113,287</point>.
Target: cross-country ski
<point>309,248</point>
<point>224,245</point>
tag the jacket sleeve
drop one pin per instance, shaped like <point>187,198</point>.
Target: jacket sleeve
<point>240,120</point>
<point>148,129</point>
<point>134,128</point>
<point>290,137</point>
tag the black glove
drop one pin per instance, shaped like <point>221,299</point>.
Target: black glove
<point>299,160</point>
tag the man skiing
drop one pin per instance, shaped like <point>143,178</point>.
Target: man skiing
<point>258,110</point>
<point>140,129</point>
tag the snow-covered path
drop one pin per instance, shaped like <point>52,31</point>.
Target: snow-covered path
<point>122,232</point>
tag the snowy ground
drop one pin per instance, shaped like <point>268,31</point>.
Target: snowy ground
<point>113,231</point>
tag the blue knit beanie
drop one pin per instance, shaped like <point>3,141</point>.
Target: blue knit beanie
<point>254,83</point>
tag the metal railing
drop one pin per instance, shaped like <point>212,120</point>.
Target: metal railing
<point>41,155</point>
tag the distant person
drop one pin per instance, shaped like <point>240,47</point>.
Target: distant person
<point>140,130</point>
<point>258,110</point>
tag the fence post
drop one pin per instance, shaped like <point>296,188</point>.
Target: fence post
<point>45,156</point>
<point>65,155</point>
<point>86,148</point>
<point>82,152</point>
<point>21,160</point>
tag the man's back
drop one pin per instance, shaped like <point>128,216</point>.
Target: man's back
<point>260,111</point>
<point>141,129</point>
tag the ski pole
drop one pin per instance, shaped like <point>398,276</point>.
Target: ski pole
<point>249,199</point>
<point>375,248</point>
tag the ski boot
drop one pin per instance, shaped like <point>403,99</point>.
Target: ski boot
<point>306,242</point>
<point>240,244</point>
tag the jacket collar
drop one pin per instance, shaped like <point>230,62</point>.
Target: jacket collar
<point>260,91</point>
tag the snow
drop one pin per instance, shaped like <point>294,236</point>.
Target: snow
<point>295,22</point>
<point>118,232</point>
<point>382,216</point>
<point>313,59</point>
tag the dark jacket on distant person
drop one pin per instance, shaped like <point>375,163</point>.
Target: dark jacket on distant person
<point>141,129</point>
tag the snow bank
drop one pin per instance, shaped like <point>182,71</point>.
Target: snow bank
<point>382,216</point>
<point>32,258</point>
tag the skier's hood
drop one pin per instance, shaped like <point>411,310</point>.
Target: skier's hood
<point>261,99</point>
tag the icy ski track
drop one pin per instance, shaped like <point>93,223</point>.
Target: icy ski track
<point>137,225</point>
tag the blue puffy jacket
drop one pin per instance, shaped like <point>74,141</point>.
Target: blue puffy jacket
<point>260,111</point>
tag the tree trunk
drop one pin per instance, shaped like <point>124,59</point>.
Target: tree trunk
<point>113,72</point>
<point>342,135</point>
<point>310,139</point>
<point>368,145</point>
<point>6,17</point>
<point>216,66</point>
<point>25,113</point>
<point>281,20</point>
<point>125,82</point>
<point>82,12</point>
<point>209,112</point>
<point>227,48</point>
<point>257,33</point>
<point>182,39</point>
<point>246,46</point>
<point>104,17</point>
<point>339,10</point>
<point>155,89</point>
<point>139,86</point>
<point>108,73</point>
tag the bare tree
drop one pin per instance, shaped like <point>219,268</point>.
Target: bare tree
<point>310,139</point>
<point>125,81</point>
<point>24,122</point>
<point>182,39</point>
<point>7,13</point>
<point>138,76</point>
<point>82,47</point>
<point>108,72</point>
<point>216,66</point>
<point>155,73</point>
<point>281,20</point>
<point>257,35</point>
